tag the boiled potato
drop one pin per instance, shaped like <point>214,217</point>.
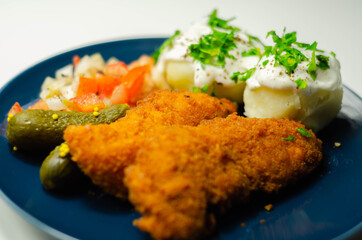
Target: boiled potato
<point>233,93</point>
<point>180,76</point>
<point>315,111</point>
<point>266,103</point>
<point>320,108</point>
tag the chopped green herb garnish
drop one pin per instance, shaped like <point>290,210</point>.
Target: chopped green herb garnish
<point>213,48</point>
<point>214,21</point>
<point>304,132</point>
<point>302,45</point>
<point>333,54</point>
<point>289,61</point>
<point>253,38</point>
<point>267,50</point>
<point>265,63</point>
<point>252,52</point>
<point>167,43</point>
<point>312,66</point>
<point>237,76</point>
<point>247,74</point>
<point>300,83</point>
<point>286,54</point>
<point>323,62</point>
<point>203,89</point>
<point>291,139</point>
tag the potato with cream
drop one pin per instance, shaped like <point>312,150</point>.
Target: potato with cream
<point>290,79</point>
<point>295,80</point>
<point>206,56</point>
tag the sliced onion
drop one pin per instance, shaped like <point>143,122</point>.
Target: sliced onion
<point>55,104</point>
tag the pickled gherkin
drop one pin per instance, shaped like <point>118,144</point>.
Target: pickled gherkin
<point>42,130</point>
<point>59,172</point>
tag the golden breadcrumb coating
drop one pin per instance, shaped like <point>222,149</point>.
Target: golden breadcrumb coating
<point>103,151</point>
<point>177,155</point>
<point>182,170</point>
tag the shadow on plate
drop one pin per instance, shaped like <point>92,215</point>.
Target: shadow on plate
<point>101,201</point>
<point>94,197</point>
<point>32,158</point>
<point>258,200</point>
<point>341,127</point>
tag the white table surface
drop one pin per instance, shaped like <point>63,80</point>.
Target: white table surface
<point>31,31</point>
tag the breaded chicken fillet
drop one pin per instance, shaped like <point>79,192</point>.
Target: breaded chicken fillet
<point>104,151</point>
<point>180,171</point>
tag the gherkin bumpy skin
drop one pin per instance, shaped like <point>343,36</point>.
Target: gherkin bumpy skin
<point>37,130</point>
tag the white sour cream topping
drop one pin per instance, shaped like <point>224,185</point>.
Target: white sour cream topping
<point>180,52</point>
<point>277,77</point>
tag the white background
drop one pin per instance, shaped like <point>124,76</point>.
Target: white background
<point>31,31</point>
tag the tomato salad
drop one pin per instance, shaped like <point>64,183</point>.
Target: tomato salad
<point>91,83</point>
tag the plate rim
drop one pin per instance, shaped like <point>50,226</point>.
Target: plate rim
<point>45,228</point>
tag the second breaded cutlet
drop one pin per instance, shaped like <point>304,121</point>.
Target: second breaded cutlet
<point>181,171</point>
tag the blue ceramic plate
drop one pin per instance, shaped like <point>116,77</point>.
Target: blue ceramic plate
<point>325,205</point>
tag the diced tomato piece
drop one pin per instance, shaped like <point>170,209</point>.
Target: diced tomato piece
<point>116,69</point>
<point>133,80</point>
<point>15,109</point>
<point>117,83</point>
<point>87,102</point>
<point>41,104</point>
<point>76,60</point>
<point>101,85</point>
<point>119,95</point>
<point>106,84</point>
<point>86,86</point>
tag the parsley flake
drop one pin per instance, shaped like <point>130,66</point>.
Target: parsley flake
<point>312,66</point>
<point>287,54</point>
<point>214,21</point>
<point>203,89</point>
<point>213,48</point>
<point>237,76</point>
<point>284,53</point>
<point>265,63</point>
<point>323,62</point>
<point>167,43</point>
<point>253,39</point>
<point>304,132</point>
<point>291,139</point>
<point>300,83</point>
<point>252,52</point>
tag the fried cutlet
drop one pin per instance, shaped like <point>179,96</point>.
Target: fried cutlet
<point>181,171</point>
<point>104,151</point>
